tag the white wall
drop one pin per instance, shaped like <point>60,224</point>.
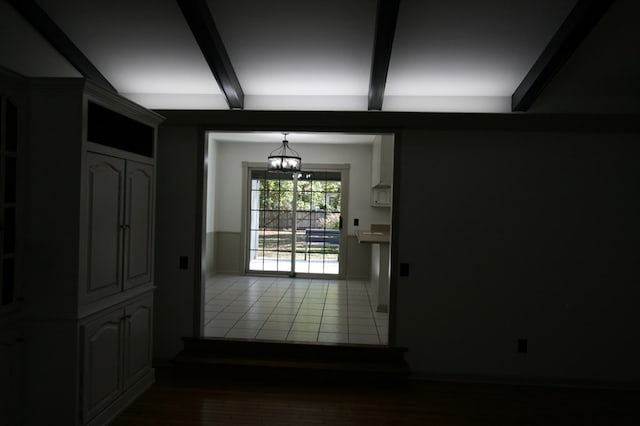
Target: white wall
<point>520,235</point>
<point>509,235</point>
<point>212,155</point>
<point>230,155</point>
<point>176,214</point>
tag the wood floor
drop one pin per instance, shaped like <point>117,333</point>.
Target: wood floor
<point>177,399</point>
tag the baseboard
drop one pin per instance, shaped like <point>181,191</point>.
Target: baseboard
<point>228,272</point>
<point>548,382</point>
<point>357,277</point>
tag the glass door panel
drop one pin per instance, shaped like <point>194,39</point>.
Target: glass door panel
<point>315,225</point>
<point>319,230</point>
<point>270,222</point>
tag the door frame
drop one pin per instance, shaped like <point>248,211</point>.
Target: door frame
<point>344,169</point>
<point>218,122</point>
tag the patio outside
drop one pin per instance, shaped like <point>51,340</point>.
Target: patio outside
<point>313,256</point>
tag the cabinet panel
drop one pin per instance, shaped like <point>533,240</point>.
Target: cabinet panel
<point>9,377</point>
<point>9,214</point>
<point>138,224</point>
<point>138,334</point>
<point>381,197</point>
<point>382,161</point>
<point>102,362</point>
<point>105,195</point>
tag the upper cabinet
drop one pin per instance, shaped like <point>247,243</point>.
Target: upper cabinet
<point>382,161</point>
<point>382,171</point>
<point>91,185</point>
<point>138,224</point>
<point>105,224</point>
<point>119,244</point>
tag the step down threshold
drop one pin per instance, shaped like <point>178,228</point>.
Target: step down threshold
<point>290,360</point>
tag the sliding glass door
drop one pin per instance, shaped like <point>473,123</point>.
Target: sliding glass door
<point>295,222</point>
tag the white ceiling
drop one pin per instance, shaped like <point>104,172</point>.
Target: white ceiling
<point>462,48</point>
<point>448,55</point>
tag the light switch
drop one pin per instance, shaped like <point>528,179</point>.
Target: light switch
<point>184,262</point>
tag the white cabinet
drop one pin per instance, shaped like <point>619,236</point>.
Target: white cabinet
<point>381,197</point>
<point>382,161</point>
<point>117,356</point>
<point>138,224</point>
<point>138,334</point>
<point>119,225</point>
<point>105,180</point>
<point>382,171</point>
<point>90,194</point>
<point>103,351</point>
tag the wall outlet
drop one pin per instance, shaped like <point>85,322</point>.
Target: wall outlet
<point>523,346</point>
<point>404,269</point>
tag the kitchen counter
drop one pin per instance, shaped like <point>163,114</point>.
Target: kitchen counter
<point>379,237</point>
<point>373,237</point>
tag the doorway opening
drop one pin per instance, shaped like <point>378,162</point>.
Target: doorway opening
<point>283,258</point>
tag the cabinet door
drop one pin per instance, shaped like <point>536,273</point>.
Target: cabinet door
<point>102,380</point>
<point>10,377</point>
<point>104,249</point>
<point>381,197</point>
<point>138,247</point>
<point>137,344</point>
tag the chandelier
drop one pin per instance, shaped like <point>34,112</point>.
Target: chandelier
<point>284,159</point>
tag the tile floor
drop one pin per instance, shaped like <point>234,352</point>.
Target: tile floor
<point>292,309</point>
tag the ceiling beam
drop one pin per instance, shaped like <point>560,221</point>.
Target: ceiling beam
<point>42,23</point>
<point>198,16</point>
<point>386,19</point>
<point>579,22</point>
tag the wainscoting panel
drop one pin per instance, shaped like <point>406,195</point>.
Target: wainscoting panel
<point>209,259</point>
<point>228,252</point>
<point>226,257</point>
